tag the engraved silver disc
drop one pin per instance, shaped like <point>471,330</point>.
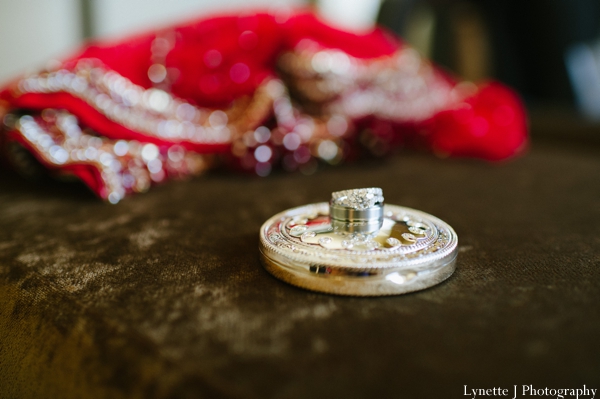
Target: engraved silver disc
<point>411,251</point>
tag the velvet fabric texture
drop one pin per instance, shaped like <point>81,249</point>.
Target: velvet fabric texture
<point>259,90</point>
<point>163,295</point>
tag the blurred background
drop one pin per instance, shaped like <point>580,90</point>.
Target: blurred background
<point>548,50</point>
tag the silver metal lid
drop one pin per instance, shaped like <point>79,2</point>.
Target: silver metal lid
<point>356,245</point>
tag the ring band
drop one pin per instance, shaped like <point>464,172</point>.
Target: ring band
<point>357,211</point>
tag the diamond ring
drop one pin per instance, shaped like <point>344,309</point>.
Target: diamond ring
<point>357,211</point>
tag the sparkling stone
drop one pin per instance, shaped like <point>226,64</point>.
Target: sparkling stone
<point>409,237</point>
<point>157,73</point>
<point>324,240</point>
<point>161,46</point>
<point>308,234</point>
<point>372,245</point>
<point>292,141</point>
<point>176,153</point>
<point>417,230</point>
<point>358,199</point>
<point>298,230</point>
<point>155,165</point>
<point>328,150</point>
<point>218,119</point>
<point>91,153</point>
<point>262,134</point>
<point>263,153</point>
<point>347,244</point>
<point>158,100</point>
<point>114,197</point>
<point>121,147</point>
<point>321,62</point>
<point>149,152</point>
<point>393,242</point>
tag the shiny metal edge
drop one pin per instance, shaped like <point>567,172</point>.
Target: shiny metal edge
<point>353,215</point>
<point>358,280</point>
<point>323,207</point>
<point>387,282</point>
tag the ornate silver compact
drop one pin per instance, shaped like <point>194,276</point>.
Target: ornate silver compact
<point>356,245</point>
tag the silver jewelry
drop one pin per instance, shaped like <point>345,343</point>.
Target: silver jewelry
<point>356,245</point>
<point>357,211</point>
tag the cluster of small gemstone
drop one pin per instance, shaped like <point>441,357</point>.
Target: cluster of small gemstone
<point>153,112</point>
<point>123,166</point>
<point>364,242</point>
<point>158,73</point>
<point>402,87</point>
<point>358,199</point>
<point>297,141</point>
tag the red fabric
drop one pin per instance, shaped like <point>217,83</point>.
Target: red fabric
<point>491,126</point>
<point>224,58</point>
<point>211,86</point>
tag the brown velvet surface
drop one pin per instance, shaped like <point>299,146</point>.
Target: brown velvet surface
<point>163,294</point>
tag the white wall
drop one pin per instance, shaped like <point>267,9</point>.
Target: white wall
<point>34,31</point>
<point>114,17</point>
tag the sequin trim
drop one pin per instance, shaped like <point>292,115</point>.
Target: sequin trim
<point>401,88</point>
<point>153,111</point>
<point>124,166</point>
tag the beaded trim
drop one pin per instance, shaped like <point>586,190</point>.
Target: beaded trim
<point>125,166</point>
<point>401,88</point>
<point>153,111</point>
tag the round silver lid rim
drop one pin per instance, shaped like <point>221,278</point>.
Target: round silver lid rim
<point>380,285</point>
<point>357,272</point>
<point>430,258</point>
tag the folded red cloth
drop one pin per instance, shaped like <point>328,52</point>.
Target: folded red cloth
<point>248,90</point>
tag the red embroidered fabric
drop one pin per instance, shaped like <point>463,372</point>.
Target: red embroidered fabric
<point>251,91</point>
